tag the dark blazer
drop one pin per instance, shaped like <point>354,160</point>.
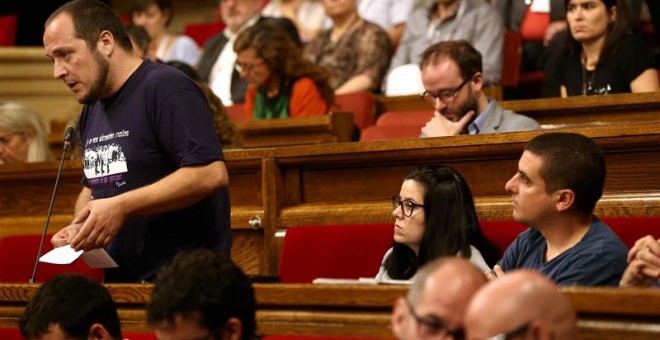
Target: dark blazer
<point>213,47</point>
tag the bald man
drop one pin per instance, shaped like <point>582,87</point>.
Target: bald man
<point>436,302</point>
<point>522,305</point>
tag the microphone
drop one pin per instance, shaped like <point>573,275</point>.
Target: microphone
<point>68,135</point>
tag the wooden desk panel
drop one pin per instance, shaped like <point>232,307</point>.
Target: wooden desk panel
<point>560,112</point>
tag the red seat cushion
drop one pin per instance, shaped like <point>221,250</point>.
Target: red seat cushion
<point>200,32</point>
<point>17,256</point>
<point>372,133</point>
<point>362,104</point>
<point>333,251</point>
<point>8,24</point>
<point>10,334</point>
<point>501,233</point>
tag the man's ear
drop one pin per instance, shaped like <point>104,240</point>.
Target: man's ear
<point>98,332</point>
<point>565,199</point>
<point>399,315</point>
<point>233,329</point>
<point>106,43</point>
<point>477,81</point>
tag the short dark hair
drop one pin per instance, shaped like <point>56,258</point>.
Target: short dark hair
<point>461,52</point>
<point>90,18</point>
<point>452,225</point>
<point>75,303</point>
<point>571,161</point>
<point>205,282</point>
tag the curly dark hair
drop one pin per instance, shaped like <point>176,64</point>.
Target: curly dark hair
<point>205,283</point>
<point>282,56</point>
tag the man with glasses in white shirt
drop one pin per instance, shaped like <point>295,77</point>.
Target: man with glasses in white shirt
<point>522,305</point>
<point>453,81</point>
<point>437,300</point>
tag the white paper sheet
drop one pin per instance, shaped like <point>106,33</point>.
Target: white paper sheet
<point>95,258</point>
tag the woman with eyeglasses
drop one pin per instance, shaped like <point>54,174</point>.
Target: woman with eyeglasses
<point>434,216</point>
<point>601,56</point>
<point>281,83</point>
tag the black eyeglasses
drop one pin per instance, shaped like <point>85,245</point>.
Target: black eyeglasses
<point>407,206</point>
<point>512,334</point>
<point>433,327</point>
<point>446,96</point>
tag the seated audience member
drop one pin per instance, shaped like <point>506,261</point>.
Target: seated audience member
<point>390,15</point>
<point>282,83</point>
<point>216,67</point>
<point>155,16</point>
<point>523,305</point>
<point>437,300</point>
<point>643,264</point>
<point>226,130</point>
<point>202,295</point>
<point>434,216</point>
<point>141,41</point>
<point>356,51</point>
<point>560,178</point>
<point>474,21</point>
<point>453,82</point>
<point>307,15</point>
<point>601,57</point>
<point>71,307</point>
<point>22,135</point>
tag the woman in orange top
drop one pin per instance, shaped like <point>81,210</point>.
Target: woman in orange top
<point>281,83</point>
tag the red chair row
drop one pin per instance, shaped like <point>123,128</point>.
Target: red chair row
<point>354,251</point>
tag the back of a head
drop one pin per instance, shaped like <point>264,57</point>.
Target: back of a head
<point>90,18</point>
<point>467,57</point>
<point>75,303</point>
<point>456,275</point>
<point>571,161</point>
<point>206,283</point>
<point>521,300</point>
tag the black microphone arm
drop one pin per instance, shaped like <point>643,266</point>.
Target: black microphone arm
<point>68,135</point>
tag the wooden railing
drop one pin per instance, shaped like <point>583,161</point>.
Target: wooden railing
<point>561,112</point>
<point>358,310</point>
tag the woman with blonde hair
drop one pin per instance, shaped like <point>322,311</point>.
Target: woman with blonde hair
<point>22,135</point>
<point>281,83</point>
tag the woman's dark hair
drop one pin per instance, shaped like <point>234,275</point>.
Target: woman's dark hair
<point>615,30</point>
<point>451,223</point>
<point>282,56</point>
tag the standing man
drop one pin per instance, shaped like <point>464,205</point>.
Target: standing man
<point>154,173</point>
<point>559,180</point>
<point>217,63</point>
<point>522,305</point>
<point>453,82</point>
<point>437,300</point>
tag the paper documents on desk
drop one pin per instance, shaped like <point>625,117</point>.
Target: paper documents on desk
<point>95,258</point>
<point>360,281</point>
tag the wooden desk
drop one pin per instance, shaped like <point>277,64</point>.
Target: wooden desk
<point>560,112</point>
<point>275,188</point>
<point>333,128</point>
<point>357,310</point>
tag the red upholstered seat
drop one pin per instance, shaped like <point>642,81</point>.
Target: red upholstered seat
<point>376,132</point>
<point>237,113</point>
<point>8,24</point>
<point>10,334</point>
<point>501,233</point>
<point>416,118</point>
<point>148,335</point>
<point>200,32</point>
<point>333,251</point>
<point>17,256</point>
<point>362,104</point>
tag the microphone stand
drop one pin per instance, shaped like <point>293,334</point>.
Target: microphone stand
<point>68,134</point>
